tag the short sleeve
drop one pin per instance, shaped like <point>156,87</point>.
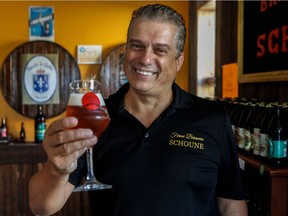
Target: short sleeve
<point>229,179</point>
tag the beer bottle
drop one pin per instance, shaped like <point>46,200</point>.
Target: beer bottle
<point>40,125</point>
<point>264,133</point>
<point>260,116</point>
<point>3,128</point>
<point>248,128</point>
<point>278,139</point>
<point>230,108</point>
<point>235,110</point>
<point>22,133</point>
<point>239,129</point>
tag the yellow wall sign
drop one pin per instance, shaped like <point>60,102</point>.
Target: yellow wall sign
<point>230,80</point>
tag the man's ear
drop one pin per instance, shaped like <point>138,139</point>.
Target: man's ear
<point>179,61</point>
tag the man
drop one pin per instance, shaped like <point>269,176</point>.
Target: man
<point>165,151</point>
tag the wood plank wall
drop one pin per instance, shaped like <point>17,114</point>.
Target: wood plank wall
<point>15,173</point>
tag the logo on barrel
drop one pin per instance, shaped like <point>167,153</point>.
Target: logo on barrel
<point>40,81</point>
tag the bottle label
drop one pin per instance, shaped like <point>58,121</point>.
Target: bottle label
<point>256,141</point>
<point>264,145</point>
<point>240,138</point>
<point>3,132</point>
<point>233,129</point>
<point>40,131</point>
<point>278,148</point>
<point>247,140</point>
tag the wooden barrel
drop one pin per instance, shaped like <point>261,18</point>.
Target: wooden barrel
<point>111,73</point>
<point>11,77</point>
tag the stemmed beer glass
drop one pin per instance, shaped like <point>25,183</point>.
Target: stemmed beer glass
<point>87,105</point>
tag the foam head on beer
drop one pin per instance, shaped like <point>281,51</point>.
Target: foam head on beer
<point>75,99</point>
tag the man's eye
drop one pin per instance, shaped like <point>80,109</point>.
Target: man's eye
<point>135,46</point>
<point>161,51</point>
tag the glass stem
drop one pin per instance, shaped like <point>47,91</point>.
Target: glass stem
<point>90,170</point>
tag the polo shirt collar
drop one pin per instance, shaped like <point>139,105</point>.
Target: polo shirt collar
<point>182,99</point>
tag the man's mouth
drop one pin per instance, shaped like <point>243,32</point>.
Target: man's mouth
<point>145,73</point>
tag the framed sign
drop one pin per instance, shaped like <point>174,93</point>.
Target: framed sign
<point>40,79</point>
<point>89,54</point>
<point>41,23</point>
<point>262,41</point>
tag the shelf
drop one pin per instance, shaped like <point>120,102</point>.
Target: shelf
<point>271,171</point>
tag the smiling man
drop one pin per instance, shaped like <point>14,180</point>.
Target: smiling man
<point>165,152</point>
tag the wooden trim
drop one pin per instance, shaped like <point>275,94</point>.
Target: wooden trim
<point>253,77</point>
<point>193,47</point>
<point>279,196</point>
<point>264,77</point>
<point>267,169</point>
<point>23,153</point>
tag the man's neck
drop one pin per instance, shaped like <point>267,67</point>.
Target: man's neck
<point>146,108</point>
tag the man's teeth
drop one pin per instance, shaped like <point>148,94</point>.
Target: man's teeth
<point>145,73</point>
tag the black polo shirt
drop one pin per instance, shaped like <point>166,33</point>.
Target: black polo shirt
<point>177,166</point>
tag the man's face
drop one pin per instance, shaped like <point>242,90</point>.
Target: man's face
<point>150,60</point>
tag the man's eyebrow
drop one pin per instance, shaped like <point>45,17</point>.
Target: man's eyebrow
<point>162,46</point>
<point>157,45</point>
<point>134,40</point>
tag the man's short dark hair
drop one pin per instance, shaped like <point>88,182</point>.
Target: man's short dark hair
<point>162,13</point>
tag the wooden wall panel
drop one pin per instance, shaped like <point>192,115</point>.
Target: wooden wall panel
<point>226,39</point>
<point>16,168</point>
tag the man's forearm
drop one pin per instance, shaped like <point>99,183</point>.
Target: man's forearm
<point>48,191</point>
<point>228,207</point>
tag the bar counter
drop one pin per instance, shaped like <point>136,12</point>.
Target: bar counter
<point>266,188</point>
<point>18,162</point>
<point>21,153</point>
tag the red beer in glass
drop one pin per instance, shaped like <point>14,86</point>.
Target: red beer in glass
<point>95,117</point>
<point>88,106</point>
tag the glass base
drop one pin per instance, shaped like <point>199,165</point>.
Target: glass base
<point>92,185</point>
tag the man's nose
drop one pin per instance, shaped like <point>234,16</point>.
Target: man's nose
<point>146,57</point>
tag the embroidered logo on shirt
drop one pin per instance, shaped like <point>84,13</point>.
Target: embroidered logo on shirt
<point>186,140</point>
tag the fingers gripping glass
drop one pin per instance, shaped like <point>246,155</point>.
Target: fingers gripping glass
<point>87,105</point>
